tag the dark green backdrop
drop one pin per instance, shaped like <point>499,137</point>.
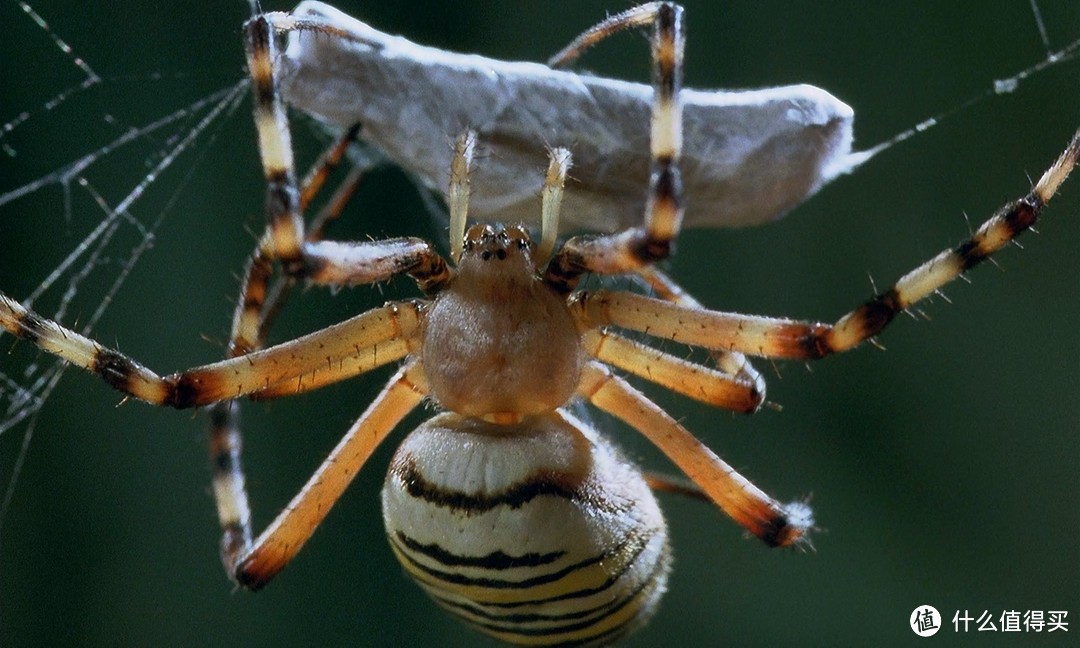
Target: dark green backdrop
<point>943,471</point>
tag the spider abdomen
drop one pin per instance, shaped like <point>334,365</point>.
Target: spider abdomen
<point>536,533</point>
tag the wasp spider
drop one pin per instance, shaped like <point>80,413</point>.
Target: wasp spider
<point>509,511</point>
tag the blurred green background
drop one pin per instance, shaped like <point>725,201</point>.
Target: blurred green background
<point>943,470</point>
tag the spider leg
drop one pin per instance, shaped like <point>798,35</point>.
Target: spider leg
<point>320,171</point>
<point>302,255</point>
<point>253,567</point>
<point>225,439</point>
<point>775,524</point>
<point>732,363</point>
<point>653,241</point>
<point>258,303</point>
<point>319,261</point>
<point>229,487</point>
<point>735,365</point>
<point>286,226</point>
<point>785,338</point>
<point>682,376</point>
<point>364,360</point>
<point>221,380</point>
<point>278,293</point>
<point>640,16</point>
<point>733,332</point>
<point>663,483</point>
<point>256,309</point>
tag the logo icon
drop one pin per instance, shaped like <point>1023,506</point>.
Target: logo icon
<point>925,620</point>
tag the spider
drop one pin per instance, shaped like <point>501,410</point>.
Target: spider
<point>503,341</point>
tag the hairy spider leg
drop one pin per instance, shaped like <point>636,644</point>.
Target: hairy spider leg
<point>354,338</point>
<point>653,241</point>
<point>301,255</point>
<point>704,384</point>
<point>777,525</point>
<point>784,338</point>
<point>286,535</point>
<point>661,284</point>
<point>256,308</point>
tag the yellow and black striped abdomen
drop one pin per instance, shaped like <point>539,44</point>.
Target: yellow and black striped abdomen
<point>538,533</point>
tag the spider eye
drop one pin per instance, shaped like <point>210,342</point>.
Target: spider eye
<point>520,236</point>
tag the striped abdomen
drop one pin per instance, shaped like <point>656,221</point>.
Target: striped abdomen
<point>538,533</point>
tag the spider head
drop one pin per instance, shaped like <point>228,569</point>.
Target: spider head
<point>497,249</point>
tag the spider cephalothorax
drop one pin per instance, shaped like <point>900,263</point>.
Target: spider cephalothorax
<point>498,341</point>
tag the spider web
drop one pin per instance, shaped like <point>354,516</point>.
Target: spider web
<point>101,207</point>
<point>85,212</point>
